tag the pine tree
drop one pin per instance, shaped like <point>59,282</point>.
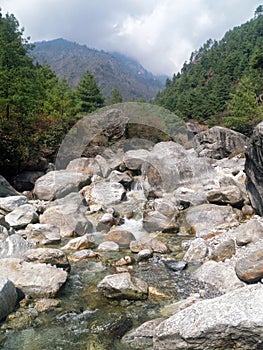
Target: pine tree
<point>89,95</point>
<point>116,97</point>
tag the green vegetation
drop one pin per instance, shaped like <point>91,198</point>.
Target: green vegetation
<point>36,108</point>
<point>223,81</point>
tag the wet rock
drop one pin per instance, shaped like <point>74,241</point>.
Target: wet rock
<point>122,237</point>
<point>84,165</point>
<point>54,257</point>
<point>34,280</point>
<point>123,286</point>
<point>147,242</point>
<point>6,189</point>
<point>203,219</point>
<point>108,246</point>
<point>43,234</point>
<point>84,255</point>
<point>69,215</point>
<point>134,159</point>
<point>22,216</point>
<point>231,321</point>
<point>250,268</point>
<point>249,232</point>
<point>175,265</point>
<point>126,260</point>
<point>144,254</point>
<point>142,337</point>
<point>83,242</point>
<point>105,193</point>
<point>171,309</point>
<point>59,183</point>
<point>219,142</point>
<point>197,251</point>
<point>43,305</point>
<point>226,195</point>
<point>8,204</point>
<point>222,276</point>
<point>224,250</point>
<point>108,219</point>
<point>254,169</point>
<point>8,297</point>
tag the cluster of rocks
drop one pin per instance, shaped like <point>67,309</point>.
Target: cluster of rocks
<point>199,192</point>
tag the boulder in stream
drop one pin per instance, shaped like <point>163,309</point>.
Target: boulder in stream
<point>8,297</point>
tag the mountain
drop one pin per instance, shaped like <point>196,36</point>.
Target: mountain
<point>222,83</point>
<point>111,70</point>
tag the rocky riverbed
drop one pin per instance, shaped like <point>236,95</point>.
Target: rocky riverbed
<point>156,248</point>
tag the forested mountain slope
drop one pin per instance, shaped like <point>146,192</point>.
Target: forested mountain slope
<point>223,81</point>
<point>112,71</point>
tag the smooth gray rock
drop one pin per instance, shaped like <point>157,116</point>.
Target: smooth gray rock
<point>22,216</point>
<point>43,234</point>
<point>59,183</point>
<point>155,221</point>
<point>219,142</point>
<point>226,195</point>
<point>123,178</point>
<point>35,280</point>
<point>123,286</point>
<point>8,297</point>
<point>83,242</point>
<point>122,237</point>
<point>169,165</point>
<point>197,251</point>
<point>203,219</point>
<point>231,321</point>
<point>8,204</point>
<point>108,247</point>
<point>254,169</point>
<point>147,242</point>
<point>105,193</point>
<point>84,165</point>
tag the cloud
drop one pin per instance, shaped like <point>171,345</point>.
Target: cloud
<point>161,34</point>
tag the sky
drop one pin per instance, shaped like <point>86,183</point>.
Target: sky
<point>160,34</point>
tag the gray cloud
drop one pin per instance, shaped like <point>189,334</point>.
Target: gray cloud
<point>161,34</point>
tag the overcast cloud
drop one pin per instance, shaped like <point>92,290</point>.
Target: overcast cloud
<point>160,34</point>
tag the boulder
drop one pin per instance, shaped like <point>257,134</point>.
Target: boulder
<point>231,321</point>
<point>123,286</point>
<point>250,268</point>
<point>8,297</point>
<point>248,232</point>
<point>147,242</point>
<point>219,275</point>
<point>6,189</point>
<point>169,165</point>
<point>155,221</point>
<point>105,193</point>
<point>8,204</point>
<point>122,237</point>
<point>108,246</point>
<point>254,169</point>
<point>43,234</point>
<point>123,178</point>
<point>22,216</point>
<point>68,214</point>
<point>34,280</point>
<point>84,165</point>
<point>84,242</point>
<point>84,254</point>
<point>197,251</point>
<point>59,183</point>
<point>226,195</point>
<point>141,337</point>
<point>134,159</point>
<point>14,246</point>
<point>219,142</point>
<point>224,250</point>
<point>54,257</point>
<point>205,218</point>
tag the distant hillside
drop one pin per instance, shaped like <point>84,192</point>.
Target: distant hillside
<point>223,81</point>
<point>112,71</point>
